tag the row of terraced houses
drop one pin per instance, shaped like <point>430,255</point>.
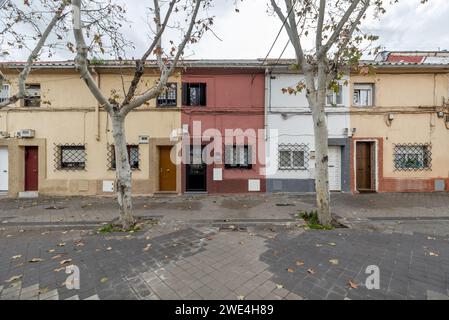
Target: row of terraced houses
<point>388,129</point>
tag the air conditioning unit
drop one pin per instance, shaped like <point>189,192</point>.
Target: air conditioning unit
<point>4,135</point>
<point>25,133</point>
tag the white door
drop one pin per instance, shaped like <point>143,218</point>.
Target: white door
<point>3,169</point>
<point>335,168</point>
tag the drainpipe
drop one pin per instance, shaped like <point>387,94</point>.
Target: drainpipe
<point>97,108</point>
<point>267,101</point>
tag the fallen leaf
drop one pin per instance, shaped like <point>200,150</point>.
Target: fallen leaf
<point>334,261</point>
<point>318,245</point>
<point>59,269</point>
<point>108,248</point>
<point>311,271</point>
<point>431,238</point>
<point>21,231</point>
<point>51,250</point>
<point>279,286</point>
<point>65,261</point>
<point>34,260</point>
<point>16,257</point>
<point>299,263</point>
<point>352,285</point>
<point>14,279</point>
<point>62,244</point>
<point>240,297</point>
<point>333,244</point>
<point>43,290</point>
<point>80,244</point>
<point>58,256</point>
<point>103,280</point>
<point>433,254</point>
<point>290,270</point>
<point>242,243</point>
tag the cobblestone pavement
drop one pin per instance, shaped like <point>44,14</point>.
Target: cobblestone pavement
<point>173,261</point>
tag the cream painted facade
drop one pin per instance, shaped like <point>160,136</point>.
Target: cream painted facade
<point>409,107</point>
<point>70,115</point>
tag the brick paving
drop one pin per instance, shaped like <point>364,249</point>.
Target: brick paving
<point>226,247</point>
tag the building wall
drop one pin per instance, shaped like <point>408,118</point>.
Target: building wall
<point>72,117</point>
<point>290,118</point>
<point>413,100</point>
<point>235,100</point>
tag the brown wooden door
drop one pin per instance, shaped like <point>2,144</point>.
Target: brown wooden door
<point>167,170</point>
<point>363,160</point>
<point>31,169</point>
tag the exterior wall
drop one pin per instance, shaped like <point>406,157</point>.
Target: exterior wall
<point>290,118</point>
<point>413,100</point>
<point>235,100</point>
<point>72,117</point>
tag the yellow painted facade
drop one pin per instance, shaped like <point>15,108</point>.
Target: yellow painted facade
<point>409,107</point>
<point>70,115</point>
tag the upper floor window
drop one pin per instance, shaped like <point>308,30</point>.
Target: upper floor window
<point>168,97</point>
<point>4,92</point>
<point>335,98</point>
<point>194,94</point>
<point>412,157</point>
<point>238,157</point>
<point>32,95</point>
<point>363,95</point>
<point>70,157</point>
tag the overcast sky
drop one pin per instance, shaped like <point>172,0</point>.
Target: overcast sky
<point>249,34</point>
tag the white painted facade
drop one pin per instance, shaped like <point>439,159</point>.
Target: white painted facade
<point>289,121</point>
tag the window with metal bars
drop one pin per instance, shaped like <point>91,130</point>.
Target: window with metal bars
<point>32,95</point>
<point>293,157</point>
<point>133,156</point>
<point>238,157</point>
<point>70,157</point>
<point>168,97</point>
<point>4,92</point>
<point>412,157</point>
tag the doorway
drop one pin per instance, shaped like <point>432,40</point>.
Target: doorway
<point>167,170</point>
<point>31,169</point>
<point>196,171</point>
<point>365,176</point>
<point>4,163</point>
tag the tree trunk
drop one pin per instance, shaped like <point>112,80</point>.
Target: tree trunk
<point>318,104</point>
<point>123,172</point>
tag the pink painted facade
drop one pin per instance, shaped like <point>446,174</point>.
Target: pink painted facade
<point>234,100</point>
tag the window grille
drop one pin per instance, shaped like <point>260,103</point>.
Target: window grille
<point>239,157</point>
<point>4,93</point>
<point>194,94</point>
<point>169,97</point>
<point>133,156</point>
<point>412,157</point>
<point>32,95</point>
<point>293,157</point>
<point>70,157</point>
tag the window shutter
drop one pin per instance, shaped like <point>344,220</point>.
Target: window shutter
<point>185,94</point>
<point>202,94</point>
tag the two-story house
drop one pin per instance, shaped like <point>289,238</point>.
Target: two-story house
<point>290,140</point>
<point>223,122</point>
<point>400,123</point>
<point>58,141</point>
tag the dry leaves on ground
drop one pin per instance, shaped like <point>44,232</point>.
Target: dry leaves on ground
<point>352,284</point>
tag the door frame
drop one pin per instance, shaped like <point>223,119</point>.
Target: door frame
<point>7,168</point>
<point>374,166</point>
<point>25,167</point>
<point>206,167</point>
<point>159,148</point>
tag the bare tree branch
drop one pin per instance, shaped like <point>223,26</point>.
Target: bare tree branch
<point>81,58</point>
<point>140,64</point>
<point>154,92</point>
<point>33,57</point>
<point>333,38</point>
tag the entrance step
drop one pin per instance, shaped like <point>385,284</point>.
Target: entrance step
<point>28,195</point>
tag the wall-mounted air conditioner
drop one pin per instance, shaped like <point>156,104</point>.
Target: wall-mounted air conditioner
<point>4,135</point>
<point>25,133</point>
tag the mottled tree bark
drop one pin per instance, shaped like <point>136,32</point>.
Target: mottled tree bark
<point>123,172</point>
